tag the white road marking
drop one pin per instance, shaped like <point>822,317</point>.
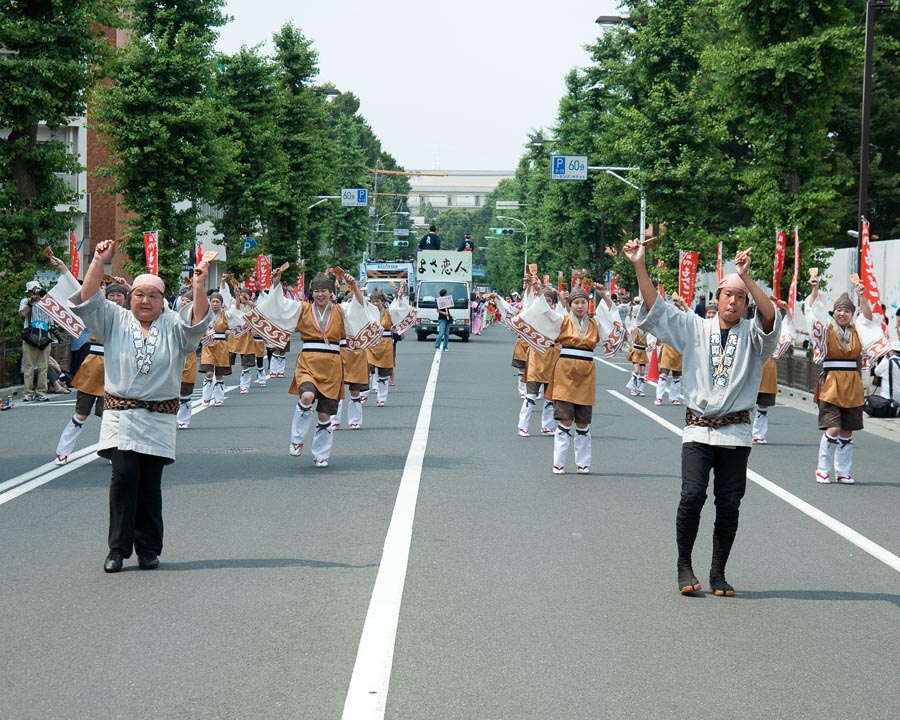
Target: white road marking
<point>836,526</point>
<point>367,694</point>
<point>21,484</point>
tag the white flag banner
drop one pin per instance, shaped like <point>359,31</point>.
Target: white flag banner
<point>56,304</point>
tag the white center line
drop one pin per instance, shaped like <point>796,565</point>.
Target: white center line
<point>846,532</point>
<point>367,694</point>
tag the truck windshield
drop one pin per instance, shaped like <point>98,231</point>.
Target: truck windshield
<point>429,291</point>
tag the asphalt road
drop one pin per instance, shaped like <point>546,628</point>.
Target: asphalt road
<point>524,594</point>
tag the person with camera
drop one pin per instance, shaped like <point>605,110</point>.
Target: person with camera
<point>35,342</point>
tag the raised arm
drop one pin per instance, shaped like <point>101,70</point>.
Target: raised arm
<point>864,307</point>
<point>764,306</point>
<point>94,276</point>
<point>200,306</point>
<point>634,251</point>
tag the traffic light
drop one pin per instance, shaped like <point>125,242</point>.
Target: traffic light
<point>504,231</point>
<point>401,243</point>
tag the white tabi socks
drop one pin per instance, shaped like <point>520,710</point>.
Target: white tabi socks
<point>300,427</point>
<point>661,387</point>
<point>843,461</point>
<point>184,412</point>
<point>525,413</point>
<point>383,390</point>
<point>321,446</point>
<point>523,390</point>
<point>354,412</point>
<point>276,366</point>
<point>760,425</point>
<point>561,441</point>
<point>583,449</point>
<point>218,393</point>
<point>336,418</point>
<point>639,384</point>
<point>827,447</point>
<point>261,376</point>
<point>547,418</point>
<point>245,380</point>
<point>67,440</point>
<point>207,390</point>
<point>632,384</point>
<point>675,390</point>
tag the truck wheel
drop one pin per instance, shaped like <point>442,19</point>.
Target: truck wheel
<point>464,337</point>
<point>421,336</point>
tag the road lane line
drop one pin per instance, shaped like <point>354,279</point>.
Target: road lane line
<point>836,526</point>
<point>367,693</point>
<point>49,471</point>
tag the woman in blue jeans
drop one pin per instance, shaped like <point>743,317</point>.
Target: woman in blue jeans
<point>444,321</point>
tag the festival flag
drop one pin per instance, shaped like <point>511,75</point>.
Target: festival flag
<point>151,251</point>
<point>559,281</point>
<point>719,273</point>
<point>867,270</point>
<point>74,260</point>
<point>687,275</point>
<point>264,271</point>
<point>792,291</point>
<point>250,281</point>
<point>778,263</point>
<point>546,280</point>
<point>661,290</point>
<point>613,285</point>
<point>199,253</point>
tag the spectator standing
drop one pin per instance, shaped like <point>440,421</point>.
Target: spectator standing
<point>431,241</point>
<point>888,369</point>
<point>34,358</point>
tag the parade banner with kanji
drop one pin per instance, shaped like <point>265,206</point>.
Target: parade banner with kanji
<point>74,260</point>
<point>263,271</point>
<point>792,292</point>
<point>778,262</point>
<point>719,272</point>
<point>151,251</point>
<point>687,275</point>
<point>867,270</point>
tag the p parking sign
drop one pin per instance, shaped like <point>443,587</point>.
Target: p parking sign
<point>568,167</point>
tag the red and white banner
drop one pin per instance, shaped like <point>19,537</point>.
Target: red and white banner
<point>867,270</point>
<point>546,280</point>
<point>151,251</point>
<point>56,304</point>
<point>719,272</point>
<point>559,281</point>
<point>74,260</point>
<point>613,285</point>
<point>778,262</point>
<point>199,253</point>
<point>687,275</point>
<point>301,284</point>
<point>264,271</point>
<point>792,292</point>
<point>661,290</point>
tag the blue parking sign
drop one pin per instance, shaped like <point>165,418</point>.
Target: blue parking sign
<point>559,165</point>
<point>362,196</point>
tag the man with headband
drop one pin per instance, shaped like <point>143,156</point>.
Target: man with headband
<point>145,348</point>
<point>722,360</point>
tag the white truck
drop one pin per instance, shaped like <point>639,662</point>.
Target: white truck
<point>448,270</point>
<point>375,276</point>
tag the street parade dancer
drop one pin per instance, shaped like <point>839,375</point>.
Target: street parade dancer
<point>638,359</point>
<point>843,348</point>
<point>188,372</point>
<point>768,384</point>
<point>381,356</point>
<point>145,348</point>
<point>722,361</point>
<point>214,360</point>
<point>242,342</point>
<point>573,383</point>
<point>318,376</point>
<point>538,373</point>
<point>669,380</point>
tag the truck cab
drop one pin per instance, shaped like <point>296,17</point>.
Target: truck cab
<point>449,270</point>
<point>427,293</point>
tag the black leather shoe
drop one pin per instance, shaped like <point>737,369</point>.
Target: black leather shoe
<point>113,562</point>
<point>148,561</point>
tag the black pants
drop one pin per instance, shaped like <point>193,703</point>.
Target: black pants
<point>729,467</point>
<point>135,503</point>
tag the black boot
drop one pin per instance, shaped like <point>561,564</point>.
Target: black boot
<point>687,580</point>
<point>721,550</point>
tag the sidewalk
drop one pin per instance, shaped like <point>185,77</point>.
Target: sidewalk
<point>888,428</point>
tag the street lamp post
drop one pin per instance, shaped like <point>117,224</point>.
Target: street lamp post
<point>507,217</point>
<point>614,171</point>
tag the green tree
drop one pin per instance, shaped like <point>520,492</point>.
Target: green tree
<point>53,52</point>
<point>165,134</point>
